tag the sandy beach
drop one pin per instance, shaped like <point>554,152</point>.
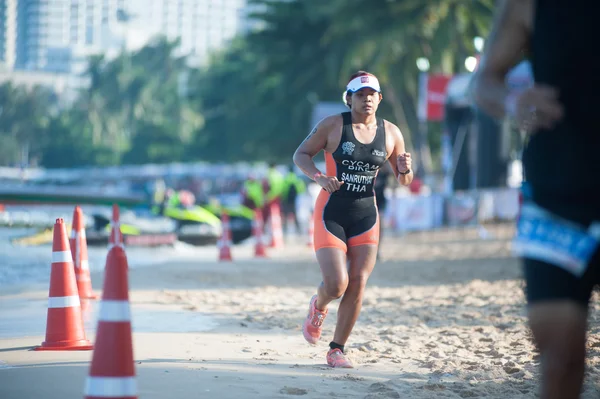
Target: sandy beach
<point>443,317</point>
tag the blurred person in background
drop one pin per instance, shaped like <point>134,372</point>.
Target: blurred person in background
<point>187,199</point>
<point>253,195</point>
<point>556,235</point>
<point>275,182</point>
<point>158,190</point>
<point>179,199</point>
<point>346,222</point>
<point>292,187</point>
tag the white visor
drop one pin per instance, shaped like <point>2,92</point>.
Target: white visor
<point>360,82</point>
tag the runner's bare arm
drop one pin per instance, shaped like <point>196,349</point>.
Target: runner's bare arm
<point>315,142</point>
<point>504,49</point>
<point>398,150</point>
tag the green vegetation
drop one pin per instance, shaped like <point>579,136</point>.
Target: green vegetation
<point>254,100</point>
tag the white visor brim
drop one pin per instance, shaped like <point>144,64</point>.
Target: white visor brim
<point>361,82</point>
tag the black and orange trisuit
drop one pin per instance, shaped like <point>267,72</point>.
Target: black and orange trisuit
<point>349,216</point>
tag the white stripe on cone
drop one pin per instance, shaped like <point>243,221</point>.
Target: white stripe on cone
<point>63,301</point>
<point>85,265</point>
<point>114,311</point>
<point>111,245</point>
<point>110,387</point>
<point>62,257</point>
<point>115,233</point>
<point>75,234</point>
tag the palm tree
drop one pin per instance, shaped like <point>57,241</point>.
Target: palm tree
<point>302,68</point>
<point>24,115</point>
<point>137,90</point>
<point>441,30</point>
<point>262,90</point>
<point>92,97</point>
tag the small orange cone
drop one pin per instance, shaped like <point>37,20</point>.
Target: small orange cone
<point>225,240</point>
<point>116,237</point>
<point>276,227</point>
<point>257,227</point>
<point>80,256</point>
<point>64,325</point>
<point>112,372</point>
<point>311,231</point>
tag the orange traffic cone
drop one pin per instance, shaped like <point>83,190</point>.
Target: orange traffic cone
<point>225,240</point>
<point>80,256</point>
<point>64,325</point>
<point>276,228</point>
<point>257,227</point>
<point>311,231</point>
<point>112,373</point>
<point>116,237</point>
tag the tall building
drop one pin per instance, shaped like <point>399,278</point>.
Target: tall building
<point>52,35</point>
<point>200,25</point>
<point>58,35</point>
<point>8,33</point>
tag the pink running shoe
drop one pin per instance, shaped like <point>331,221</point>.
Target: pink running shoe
<point>336,358</point>
<point>312,326</point>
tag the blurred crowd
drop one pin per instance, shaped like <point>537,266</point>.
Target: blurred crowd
<point>257,190</point>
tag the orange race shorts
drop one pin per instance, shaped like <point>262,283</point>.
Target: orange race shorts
<point>342,222</point>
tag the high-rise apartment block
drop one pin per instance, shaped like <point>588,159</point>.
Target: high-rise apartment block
<point>58,35</point>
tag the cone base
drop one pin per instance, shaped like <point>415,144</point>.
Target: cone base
<point>86,291</point>
<point>225,255</point>
<point>260,254</point>
<point>82,345</point>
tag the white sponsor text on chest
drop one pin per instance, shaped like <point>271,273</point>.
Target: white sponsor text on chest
<point>358,179</point>
<point>356,183</point>
<point>359,166</point>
